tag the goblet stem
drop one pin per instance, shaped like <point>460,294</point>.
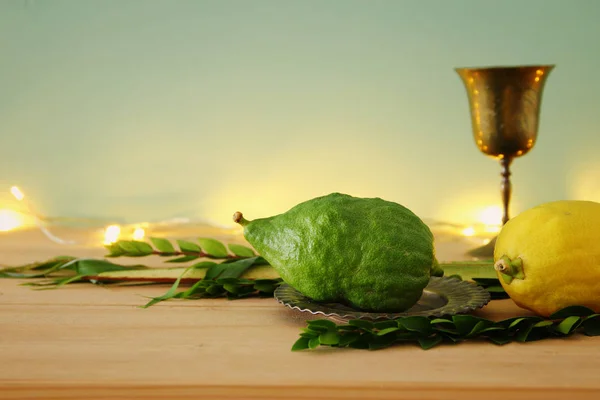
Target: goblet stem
<point>506,187</point>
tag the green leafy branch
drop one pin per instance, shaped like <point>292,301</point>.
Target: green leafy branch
<point>223,272</point>
<point>186,251</point>
<point>231,278</point>
<point>429,332</point>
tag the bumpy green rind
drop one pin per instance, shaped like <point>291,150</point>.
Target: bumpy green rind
<point>368,253</point>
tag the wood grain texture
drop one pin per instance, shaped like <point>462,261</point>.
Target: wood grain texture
<point>92,342</point>
<point>87,342</point>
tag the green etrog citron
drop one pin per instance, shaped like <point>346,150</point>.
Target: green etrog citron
<point>367,253</point>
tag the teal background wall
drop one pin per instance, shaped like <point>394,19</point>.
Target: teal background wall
<point>147,110</point>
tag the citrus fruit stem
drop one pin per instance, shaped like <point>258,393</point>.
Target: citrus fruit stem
<point>238,218</point>
<point>510,269</point>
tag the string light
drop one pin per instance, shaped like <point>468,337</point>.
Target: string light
<point>17,193</point>
<point>470,231</point>
<point>111,234</point>
<point>138,233</point>
<point>10,220</point>
<point>20,196</point>
<point>489,222</point>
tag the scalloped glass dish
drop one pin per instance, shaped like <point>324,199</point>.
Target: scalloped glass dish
<point>442,296</point>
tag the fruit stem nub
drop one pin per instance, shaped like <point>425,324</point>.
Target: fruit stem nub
<point>510,269</point>
<point>238,218</point>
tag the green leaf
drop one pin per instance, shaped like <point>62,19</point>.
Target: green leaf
<point>441,321</point>
<point>390,323</point>
<point>162,245</point>
<point>524,332</point>
<point>188,247</point>
<point>318,329</point>
<point>114,250</point>
<point>241,251</point>
<point>347,338</point>
<point>447,331</point>
<point>329,338</point>
<point>170,293</point>
<point>387,330</point>
<point>516,322</point>
<point>134,248</point>
<point>451,338</point>
<point>543,324</point>
<point>322,323</point>
<point>499,338</point>
<point>466,323</point>
<point>213,247</point>
<point>231,288</point>
<point>301,344</point>
<point>415,324</point>
<point>42,270</point>
<point>361,342</point>
<point>381,342</point>
<point>229,270</point>
<point>573,311</point>
<point>479,327</point>
<point>203,264</point>
<point>309,335</point>
<point>265,287</point>
<point>428,342</point>
<point>314,343</point>
<point>591,325</point>
<point>491,329</point>
<point>568,325</point>
<point>361,323</point>
<point>182,259</point>
<point>92,267</point>
<point>214,290</point>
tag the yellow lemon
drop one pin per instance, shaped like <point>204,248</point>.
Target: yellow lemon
<point>548,257</point>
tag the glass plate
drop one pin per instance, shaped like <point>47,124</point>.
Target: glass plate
<point>442,296</point>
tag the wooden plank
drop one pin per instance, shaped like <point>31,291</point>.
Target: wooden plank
<point>88,342</point>
<point>50,344</point>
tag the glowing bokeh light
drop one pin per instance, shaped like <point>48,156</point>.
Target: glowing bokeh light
<point>138,234</point>
<point>17,193</point>
<point>10,220</point>
<point>491,216</point>
<point>112,233</point>
<point>470,231</point>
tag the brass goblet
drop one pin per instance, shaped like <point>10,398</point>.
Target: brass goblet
<point>504,105</point>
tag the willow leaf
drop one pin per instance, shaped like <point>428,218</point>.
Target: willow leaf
<point>93,267</point>
<point>170,293</point>
<point>163,245</point>
<point>135,248</point>
<point>213,247</point>
<point>229,270</point>
<point>241,251</point>
<point>183,259</point>
<point>188,247</point>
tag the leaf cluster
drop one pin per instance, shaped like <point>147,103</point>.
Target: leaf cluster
<point>185,250</point>
<point>222,280</point>
<point>429,332</point>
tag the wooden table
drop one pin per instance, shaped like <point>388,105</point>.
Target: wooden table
<point>87,342</point>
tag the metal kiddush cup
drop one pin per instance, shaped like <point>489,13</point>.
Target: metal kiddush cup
<point>504,105</point>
